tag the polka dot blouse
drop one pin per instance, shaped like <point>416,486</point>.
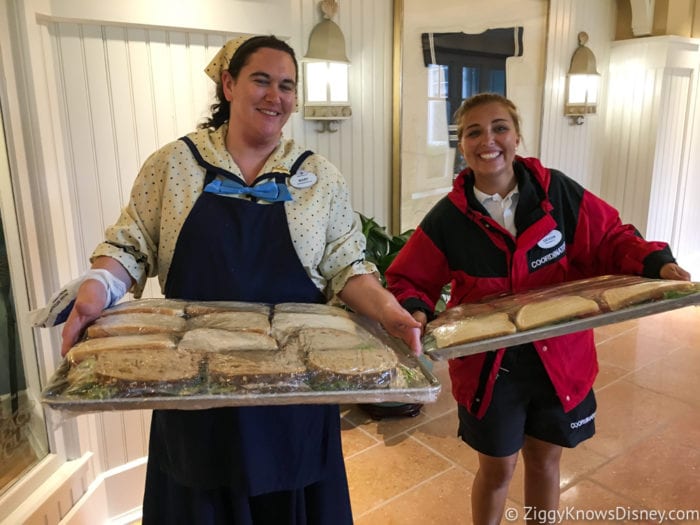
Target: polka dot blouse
<point>324,229</point>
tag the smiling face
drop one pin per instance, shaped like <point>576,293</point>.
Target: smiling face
<point>263,95</point>
<point>488,140</point>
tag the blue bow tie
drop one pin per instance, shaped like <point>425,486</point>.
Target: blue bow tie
<point>269,191</point>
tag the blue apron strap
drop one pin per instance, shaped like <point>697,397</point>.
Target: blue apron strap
<point>212,171</point>
<point>300,160</point>
<point>281,178</point>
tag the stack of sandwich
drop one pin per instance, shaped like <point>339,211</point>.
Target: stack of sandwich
<point>153,347</point>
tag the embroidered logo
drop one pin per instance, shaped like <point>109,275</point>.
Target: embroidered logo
<point>578,424</point>
<point>549,249</point>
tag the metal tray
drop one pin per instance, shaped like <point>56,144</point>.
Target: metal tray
<point>631,312</point>
<point>423,388</point>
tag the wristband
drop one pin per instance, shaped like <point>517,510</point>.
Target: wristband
<point>61,303</point>
<point>114,287</point>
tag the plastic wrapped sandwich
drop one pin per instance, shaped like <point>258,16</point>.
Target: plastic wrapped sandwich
<point>512,319</point>
<point>163,353</point>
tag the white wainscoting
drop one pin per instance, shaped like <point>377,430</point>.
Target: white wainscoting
<point>652,154</point>
<point>575,150</point>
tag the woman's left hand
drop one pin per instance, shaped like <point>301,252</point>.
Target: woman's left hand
<point>365,295</point>
<point>674,272</point>
<point>399,323</point>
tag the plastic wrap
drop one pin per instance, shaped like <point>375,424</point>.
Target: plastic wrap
<point>203,355</point>
<point>512,319</point>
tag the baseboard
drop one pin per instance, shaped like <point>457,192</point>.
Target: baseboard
<point>115,497</point>
<point>127,519</point>
<point>48,500</point>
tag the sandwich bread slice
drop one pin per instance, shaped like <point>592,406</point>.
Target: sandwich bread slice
<point>266,370</point>
<point>196,308</point>
<point>136,324</point>
<point>285,324</point>
<point>620,297</point>
<point>228,320</point>
<point>550,311</point>
<point>470,329</point>
<point>340,360</point>
<point>217,340</point>
<point>148,367</point>
<point>149,306</point>
<point>100,345</point>
<point>459,312</point>
<point>311,308</point>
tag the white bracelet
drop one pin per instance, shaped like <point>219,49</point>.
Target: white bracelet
<point>115,287</point>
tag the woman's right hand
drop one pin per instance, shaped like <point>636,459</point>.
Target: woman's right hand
<point>88,306</point>
<point>422,318</point>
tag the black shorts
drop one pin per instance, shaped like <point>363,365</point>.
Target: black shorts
<point>524,403</point>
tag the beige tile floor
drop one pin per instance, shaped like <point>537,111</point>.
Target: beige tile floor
<point>645,456</point>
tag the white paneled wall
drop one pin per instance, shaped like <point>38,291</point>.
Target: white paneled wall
<point>669,175</point>
<point>575,150</point>
<point>361,148</point>
<point>652,159</point>
<point>124,92</point>
<point>687,230</point>
<point>371,88</point>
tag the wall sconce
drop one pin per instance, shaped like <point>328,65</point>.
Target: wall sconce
<point>582,83</point>
<point>326,89</point>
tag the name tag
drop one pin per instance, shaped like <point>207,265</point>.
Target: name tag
<point>303,179</point>
<point>550,240</point>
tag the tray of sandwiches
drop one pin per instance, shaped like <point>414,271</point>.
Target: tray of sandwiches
<point>167,353</point>
<point>512,319</point>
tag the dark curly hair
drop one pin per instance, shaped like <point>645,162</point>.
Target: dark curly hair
<point>220,111</point>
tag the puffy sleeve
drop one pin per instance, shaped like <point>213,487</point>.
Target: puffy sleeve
<point>153,211</point>
<point>325,229</point>
<point>344,253</point>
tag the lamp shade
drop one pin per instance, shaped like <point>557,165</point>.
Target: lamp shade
<point>582,82</point>
<point>327,43</point>
<point>583,60</point>
<point>326,79</point>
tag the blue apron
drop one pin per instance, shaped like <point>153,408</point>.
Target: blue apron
<point>243,465</point>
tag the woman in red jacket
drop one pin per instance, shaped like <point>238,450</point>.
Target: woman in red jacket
<point>509,225</point>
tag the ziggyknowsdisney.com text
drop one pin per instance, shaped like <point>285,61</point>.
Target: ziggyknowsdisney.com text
<point>617,514</point>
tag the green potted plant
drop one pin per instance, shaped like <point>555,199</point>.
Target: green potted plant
<point>382,248</point>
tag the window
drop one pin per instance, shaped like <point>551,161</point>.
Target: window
<point>23,439</point>
<point>459,66</point>
<point>437,96</point>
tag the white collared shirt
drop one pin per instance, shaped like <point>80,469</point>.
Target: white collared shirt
<point>501,209</point>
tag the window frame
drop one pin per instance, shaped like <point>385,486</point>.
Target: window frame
<point>50,461</point>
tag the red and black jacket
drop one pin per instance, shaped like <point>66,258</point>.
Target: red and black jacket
<point>564,233</point>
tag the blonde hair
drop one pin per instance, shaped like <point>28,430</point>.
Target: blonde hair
<point>479,100</point>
